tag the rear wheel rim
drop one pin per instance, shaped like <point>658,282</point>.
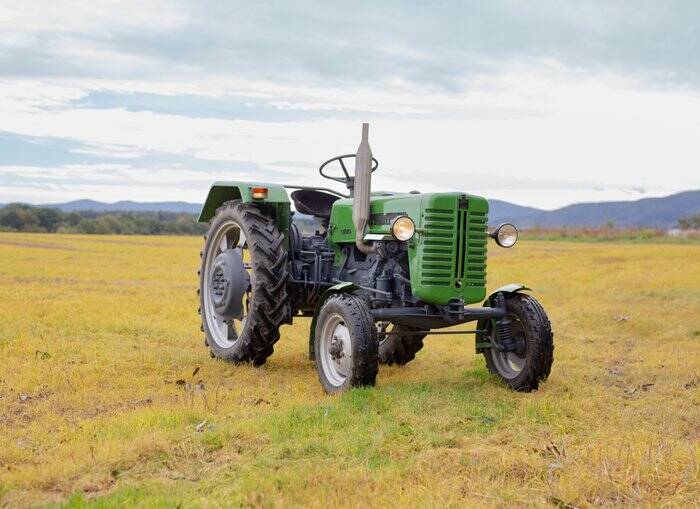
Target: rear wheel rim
<point>510,364</point>
<point>229,235</point>
<point>336,350</point>
<point>384,330</point>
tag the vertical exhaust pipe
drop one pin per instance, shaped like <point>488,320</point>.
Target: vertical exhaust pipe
<point>363,183</point>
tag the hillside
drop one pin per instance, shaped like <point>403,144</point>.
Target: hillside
<point>126,206</point>
<point>648,212</point>
<point>502,211</point>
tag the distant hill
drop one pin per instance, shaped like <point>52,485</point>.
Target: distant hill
<point>647,212</point>
<point>502,211</point>
<point>126,206</point>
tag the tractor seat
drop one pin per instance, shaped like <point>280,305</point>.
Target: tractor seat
<point>314,203</point>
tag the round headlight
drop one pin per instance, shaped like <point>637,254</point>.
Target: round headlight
<point>403,228</point>
<point>506,235</point>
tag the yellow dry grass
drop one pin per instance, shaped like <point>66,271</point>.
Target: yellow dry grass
<point>96,332</point>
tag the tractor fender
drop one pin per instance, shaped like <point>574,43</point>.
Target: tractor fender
<point>345,287</point>
<point>481,324</point>
<point>511,288</point>
<point>222,192</point>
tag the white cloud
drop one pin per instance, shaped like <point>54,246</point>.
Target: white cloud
<point>543,125</point>
<point>88,16</point>
<point>448,110</point>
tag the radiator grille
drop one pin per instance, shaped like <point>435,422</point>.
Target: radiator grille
<point>454,247</point>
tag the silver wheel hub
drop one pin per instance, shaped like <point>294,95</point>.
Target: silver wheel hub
<point>229,284</point>
<point>383,328</point>
<point>336,350</point>
<point>225,330</point>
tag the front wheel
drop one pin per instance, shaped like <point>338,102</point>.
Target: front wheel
<point>345,344</point>
<point>531,362</point>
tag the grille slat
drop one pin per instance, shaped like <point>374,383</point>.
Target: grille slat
<point>459,247</point>
<point>476,250</point>
<point>438,240</point>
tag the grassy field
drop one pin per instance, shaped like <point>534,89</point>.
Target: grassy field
<point>108,396</point>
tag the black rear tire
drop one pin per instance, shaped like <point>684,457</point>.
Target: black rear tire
<point>523,371</point>
<point>399,348</point>
<point>345,344</point>
<point>267,302</point>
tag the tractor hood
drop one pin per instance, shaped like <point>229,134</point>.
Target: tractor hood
<point>386,206</point>
<point>447,255</point>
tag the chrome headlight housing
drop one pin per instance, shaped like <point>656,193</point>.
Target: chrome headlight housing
<point>505,235</point>
<point>403,228</point>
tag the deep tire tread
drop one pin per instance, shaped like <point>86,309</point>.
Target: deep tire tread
<point>270,306</point>
<point>398,349</point>
<point>540,353</point>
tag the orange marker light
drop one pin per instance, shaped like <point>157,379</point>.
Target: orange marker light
<point>258,193</point>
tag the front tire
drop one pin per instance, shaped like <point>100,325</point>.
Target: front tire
<point>250,336</point>
<point>531,363</point>
<point>345,344</point>
<point>400,345</point>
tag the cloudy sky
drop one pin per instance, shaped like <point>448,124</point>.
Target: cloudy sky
<point>542,103</point>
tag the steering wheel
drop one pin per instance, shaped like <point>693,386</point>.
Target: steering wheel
<point>348,178</point>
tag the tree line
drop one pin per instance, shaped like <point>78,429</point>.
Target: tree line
<point>20,217</point>
<point>690,223</point>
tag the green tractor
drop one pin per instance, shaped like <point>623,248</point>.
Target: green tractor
<point>383,270</point>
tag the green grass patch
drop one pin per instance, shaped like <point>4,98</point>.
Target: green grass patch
<point>105,409</point>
